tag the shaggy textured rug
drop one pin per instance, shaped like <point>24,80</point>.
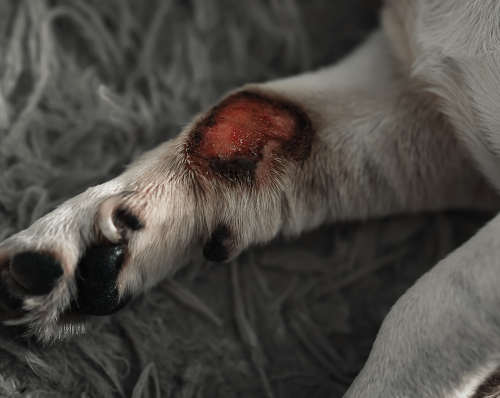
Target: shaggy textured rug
<point>87,85</point>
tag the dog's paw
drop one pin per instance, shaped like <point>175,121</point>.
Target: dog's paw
<point>61,269</point>
<point>93,253</point>
<point>220,185</point>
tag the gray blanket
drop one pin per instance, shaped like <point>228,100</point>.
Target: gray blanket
<point>86,85</point>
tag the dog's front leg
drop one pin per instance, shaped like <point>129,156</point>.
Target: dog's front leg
<point>352,141</point>
<point>442,338</point>
<point>381,147</point>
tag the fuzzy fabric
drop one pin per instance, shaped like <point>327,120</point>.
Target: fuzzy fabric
<point>86,85</point>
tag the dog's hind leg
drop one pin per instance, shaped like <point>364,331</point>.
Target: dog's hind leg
<point>442,338</point>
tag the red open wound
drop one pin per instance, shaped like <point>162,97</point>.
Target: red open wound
<point>245,134</point>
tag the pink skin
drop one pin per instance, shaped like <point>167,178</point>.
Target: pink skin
<point>243,127</point>
<point>246,135</point>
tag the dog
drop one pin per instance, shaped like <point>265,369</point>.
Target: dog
<point>408,122</point>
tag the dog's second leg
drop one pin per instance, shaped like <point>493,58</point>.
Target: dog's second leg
<point>349,142</point>
<point>442,338</point>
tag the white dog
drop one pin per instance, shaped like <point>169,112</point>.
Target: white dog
<point>408,122</point>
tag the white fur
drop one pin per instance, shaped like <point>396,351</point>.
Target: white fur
<point>471,382</point>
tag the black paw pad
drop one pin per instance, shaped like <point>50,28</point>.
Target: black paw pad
<point>35,272</point>
<point>96,279</point>
<point>8,300</point>
<point>218,247</point>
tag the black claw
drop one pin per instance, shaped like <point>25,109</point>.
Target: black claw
<point>35,272</point>
<point>97,274</point>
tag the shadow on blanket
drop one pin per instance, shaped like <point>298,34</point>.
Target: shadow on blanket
<point>87,85</point>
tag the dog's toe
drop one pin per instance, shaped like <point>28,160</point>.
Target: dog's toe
<point>36,272</point>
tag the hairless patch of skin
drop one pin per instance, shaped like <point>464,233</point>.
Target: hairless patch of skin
<point>245,133</point>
